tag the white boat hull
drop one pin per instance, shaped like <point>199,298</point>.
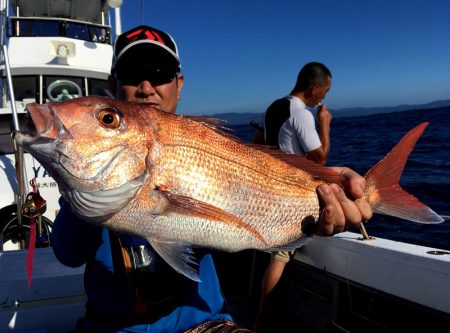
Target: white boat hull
<point>53,303</point>
<point>405,270</point>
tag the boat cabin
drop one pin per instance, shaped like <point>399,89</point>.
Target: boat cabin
<point>71,45</point>
<point>56,50</point>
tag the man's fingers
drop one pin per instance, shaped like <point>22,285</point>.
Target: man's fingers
<point>338,211</point>
<point>364,209</point>
<point>332,216</point>
<point>349,208</point>
<point>355,183</point>
<point>326,224</point>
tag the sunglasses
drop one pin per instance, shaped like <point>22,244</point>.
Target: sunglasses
<point>156,76</point>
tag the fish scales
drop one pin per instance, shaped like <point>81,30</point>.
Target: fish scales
<point>267,200</point>
<point>225,173</point>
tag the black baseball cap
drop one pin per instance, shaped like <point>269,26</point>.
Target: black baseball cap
<point>145,43</point>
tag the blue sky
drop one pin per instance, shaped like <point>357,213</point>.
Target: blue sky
<point>238,56</point>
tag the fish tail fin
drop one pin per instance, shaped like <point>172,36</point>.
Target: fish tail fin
<point>384,192</point>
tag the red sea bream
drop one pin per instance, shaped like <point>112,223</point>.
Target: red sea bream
<point>181,182</point>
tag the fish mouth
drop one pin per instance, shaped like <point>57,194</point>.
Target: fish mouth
<point>43,122</point>
<point>31,127</point>
<point>43,128</point>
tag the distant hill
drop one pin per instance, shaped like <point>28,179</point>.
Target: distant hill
<point>360,111</point>
<point>235,118</point>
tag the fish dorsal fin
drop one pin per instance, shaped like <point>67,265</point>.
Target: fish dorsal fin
<point>302,241</point>
<point>326,174</point>
<point>216,124</point>
<point>191,207</point>
<point>206,120</point>
<point>179,256</point>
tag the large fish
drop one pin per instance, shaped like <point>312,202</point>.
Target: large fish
<point>179,182</point>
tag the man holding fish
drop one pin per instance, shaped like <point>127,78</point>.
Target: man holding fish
<point>129,287</point>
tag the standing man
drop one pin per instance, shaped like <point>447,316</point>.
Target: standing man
<point>290,125</point>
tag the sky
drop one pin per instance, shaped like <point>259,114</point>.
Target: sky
<point>240,55</point>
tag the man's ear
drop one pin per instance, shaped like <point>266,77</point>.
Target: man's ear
<point>180,82</point>
<point>310,91</point>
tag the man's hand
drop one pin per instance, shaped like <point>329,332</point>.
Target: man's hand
<point>341,211</point>
<point>324,116</point>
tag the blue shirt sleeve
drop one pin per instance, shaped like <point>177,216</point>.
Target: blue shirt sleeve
<point>74,241</point>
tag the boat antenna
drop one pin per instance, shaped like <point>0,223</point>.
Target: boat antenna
<point>117,19</point>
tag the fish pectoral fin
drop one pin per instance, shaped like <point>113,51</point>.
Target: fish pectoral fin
<point>190,207</point>
<point>179,256</point>
<point>303,240</point>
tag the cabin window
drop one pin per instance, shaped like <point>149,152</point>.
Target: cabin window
<point>76,30</point>
<point>6,145</point>
<point>34,28</point>
<point>99,34</point>
<point>98,87</point>
<point>60,88</point>
<point>6,127</point>
<point>20,27</point>
<point>25,88</point>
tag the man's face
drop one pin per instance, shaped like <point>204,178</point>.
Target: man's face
<point>320,92</point>
<point>144,83</point>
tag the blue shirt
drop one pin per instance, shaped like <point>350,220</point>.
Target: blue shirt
<point>110,298</point>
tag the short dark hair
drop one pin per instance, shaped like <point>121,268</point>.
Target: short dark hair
<point>312,73</point>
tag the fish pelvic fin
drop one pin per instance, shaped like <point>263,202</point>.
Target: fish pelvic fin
<point>179,256</point>
<point>191,207</point>
<point>383,191</point>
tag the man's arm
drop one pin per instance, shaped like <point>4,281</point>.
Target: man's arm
<point>320,154</point>
<point>258,137</point>
<point>73,240</point>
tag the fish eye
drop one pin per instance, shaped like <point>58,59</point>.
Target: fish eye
<point>109,118</point>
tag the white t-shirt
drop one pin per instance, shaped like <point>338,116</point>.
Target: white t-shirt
<point>297,134</point>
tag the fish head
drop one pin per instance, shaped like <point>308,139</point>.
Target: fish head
<point>95,148</point>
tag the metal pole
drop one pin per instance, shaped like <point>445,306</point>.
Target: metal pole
<point>118,21</point>
<point>18,150</point>
<point>12,98</point>
<point>3,6</point>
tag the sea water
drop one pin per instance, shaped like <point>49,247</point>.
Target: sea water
<point>360,142</point>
